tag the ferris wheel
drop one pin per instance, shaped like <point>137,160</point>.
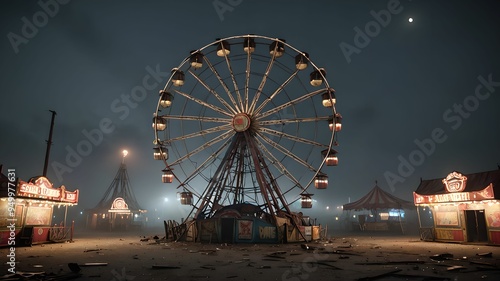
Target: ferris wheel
<point>246,119</point>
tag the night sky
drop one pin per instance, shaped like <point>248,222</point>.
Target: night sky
<point>418,99</point>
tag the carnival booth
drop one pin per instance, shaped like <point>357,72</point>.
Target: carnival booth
<point>460,208</point>
<point>248,223</point>
<point>378,210</point>
<point>26,211</point>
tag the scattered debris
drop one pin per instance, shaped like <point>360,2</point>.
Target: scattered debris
<point>486,255</point>
<point>92,250</point>
<point>325,264</point>
<point>307,247</point>
<point>208,252</point>
<point>482,263</point>
<point>441,257</point>
<point>378,276</point>
<point>391,262</point>
<point>165,267</point>
<point>275,256</point>
<point>455,267</point>
<point>211,267</point>
<point>74,267</point>
<point>94,264</point>
<point>419,277</point>
<point>22,276</point>
<point>341,252</point>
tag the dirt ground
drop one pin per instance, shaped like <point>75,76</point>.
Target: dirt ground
<point>350,256</point>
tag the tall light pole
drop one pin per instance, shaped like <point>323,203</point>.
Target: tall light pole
<point>49,143</point>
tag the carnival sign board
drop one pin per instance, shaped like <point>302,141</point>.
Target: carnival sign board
<point>42,188</point>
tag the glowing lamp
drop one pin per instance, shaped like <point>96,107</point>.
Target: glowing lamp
<point>166,99</point>
<point>301,61</point>
<point>330,156</point>
<point>306,201</point>
<point>160,153</point>
<point>178,77</point>
<point>316,77</point>
<point>186,198</point>
<point>328,98</point>
<point>223,49</point>
<point>196,59</point>
<point>338,122</point>
<point>321,181</point>
<point>167,176</point>
<point>335,122</point>
<point>277,49</point>
<point>159,123</point>
<point>249,45</point>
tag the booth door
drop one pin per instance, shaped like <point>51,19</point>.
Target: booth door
<point>476,226</point>
<point>227,230</point>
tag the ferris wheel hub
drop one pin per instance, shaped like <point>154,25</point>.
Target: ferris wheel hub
<point>241,122</point>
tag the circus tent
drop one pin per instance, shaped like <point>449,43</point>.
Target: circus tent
<point>118,209</point>
<point>379,210</point>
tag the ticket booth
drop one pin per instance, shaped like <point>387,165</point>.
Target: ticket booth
<point>26,211</point>
<point>460,208</point>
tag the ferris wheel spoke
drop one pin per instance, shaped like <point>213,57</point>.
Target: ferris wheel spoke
<point>235,84</point>
<point>202,147</point>
<point>206,163</point>
<point>221,81</point>
<point>278,90</point>
<point>290,137</point>
<point>201,133</point>
<point>262,83</point>
<point>247,80</point>
<point>290,103</point>
<point>213,92</point>
<point>286,152</point>
<point>213,193</point>
<point>277,163</point>
<point>208,105</point>
<point>292,120</point>
<point>196,118</point>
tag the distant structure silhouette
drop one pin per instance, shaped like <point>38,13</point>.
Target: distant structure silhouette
<point>118,209</point>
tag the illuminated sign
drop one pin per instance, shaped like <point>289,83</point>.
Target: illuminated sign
<point>119,206</point>
<point>455,182</point>
<point>486,193</point>
<point>42,188</point>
